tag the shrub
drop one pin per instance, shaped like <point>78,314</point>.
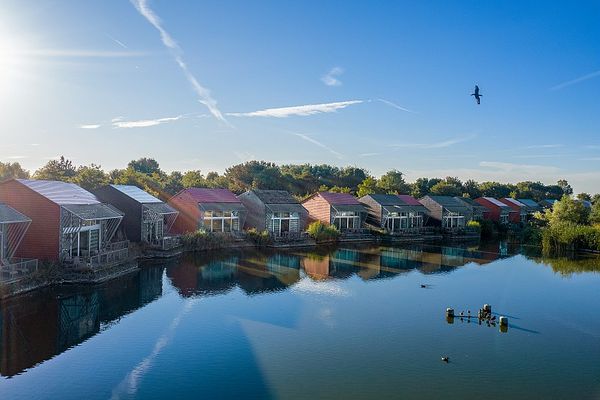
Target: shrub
<point>474,224</point>
<point>259,238</point>
<point>322,232</point>
<point>201,240</point>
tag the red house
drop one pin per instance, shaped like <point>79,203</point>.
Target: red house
<point>519,209</point>
<point>495,210</point>
<point>210,210</point>
<point>68,224</point>
<point>339,209</point>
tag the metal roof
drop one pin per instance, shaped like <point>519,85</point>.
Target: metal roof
<point>471,203</point>
<point>408,199</point>
<point>339,198</point>
<point>93,212</point>
<point>495,202</point>
<point>450,203</point>
<point>387,199</point>
<point>223,207</point>
<point>160,208</point>
<point>9,215</point>
<point>61,193</point>
<point>359,208</point>
<point>275,196</point>
<point>514,201</point>
<point>208,195</point>
<point>136,194</point>
<point>287,207</point>
<point>530,203</point>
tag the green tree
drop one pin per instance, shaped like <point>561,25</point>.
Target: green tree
<point>445,189</point>
<point>337,189</point>
<point>471,188</point>
<point>596,198</point>
<point>422,186</point>
<point>90,177</point>
<point>393,182</point>
<point>367,186</point>
<point>57,170</point>
<point>564,185</point>
<point>145,165</point>
<point>12,171</point>
<point>193,179</point>
<point>594,216</point>
<point>568,210</point>
<point>495,189</point>
<point>584,196</point>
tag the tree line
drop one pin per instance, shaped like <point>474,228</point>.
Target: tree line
<point>299,179</point>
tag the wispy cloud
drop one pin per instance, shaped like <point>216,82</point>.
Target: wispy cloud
<point>309,109</point>
<point>396,106</point>
<point>75,53</point>
<point>524,169</point>
<point>202,92</point>
<point>123,45</point>
<point>90,126</point>
<point>144,123</point>
<point>576,80</point>
<point>592,146</point>
<point>369,154</point>
<point>331,78</point>
<point>590,159</point>
<point>15,157</point>
<point>544,146</point>
<point>436,145</point>
<point>317,143</point>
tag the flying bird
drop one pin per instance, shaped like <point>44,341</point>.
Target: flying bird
<point>477,95</point>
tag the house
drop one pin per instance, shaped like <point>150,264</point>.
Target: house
<point>476,210</point>
<point>394,213</point>
<point>445,211</point>
<point>275,211</point>
<point>209,210</point>
<point>146,219</point>
<point>520,210</point>
<point>13,226</point>
<point>496,210</point>
<point>341,210</point>
<point>531,206</point>
<point>547,203</point>
<point>68,224</point>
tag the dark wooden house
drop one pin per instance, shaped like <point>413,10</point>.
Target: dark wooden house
<point>68,224</point>
<point>209,210</point>
<point>341,210</point>
<point>476,210</point>
<point>394,213</point>
<point>146,219</point>
<point>445,211</point>
<point>519,214</point>
<point>276,211</point>
<point>495,210</point>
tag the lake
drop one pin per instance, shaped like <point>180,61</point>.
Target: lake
<point>347,322</point>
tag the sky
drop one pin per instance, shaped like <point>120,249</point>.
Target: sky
<point>386,85</point>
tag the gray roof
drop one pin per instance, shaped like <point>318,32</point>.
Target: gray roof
<point>275,196</point>
<point>136,194</point>
<point>450,203</point>
<point>469,202</point>
<point>61,193</point>
<point>287,207</point>
<point>530,203</point>
<point>9,215</point>
<point>92,212</point>
<point>387,199</point>
<point>160,208</point>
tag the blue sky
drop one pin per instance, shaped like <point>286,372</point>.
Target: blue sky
<point>348,83</point>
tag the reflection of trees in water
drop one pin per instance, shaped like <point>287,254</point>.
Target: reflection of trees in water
<point>37,326</point>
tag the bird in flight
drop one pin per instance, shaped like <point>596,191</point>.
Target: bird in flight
<point>477,95</point>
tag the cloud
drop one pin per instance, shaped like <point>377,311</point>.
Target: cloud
<point>144,123</point>
<point>544,146</point>
<point>576,80</point>
<point>396,106</point>
<point>74,53</point>
<point>369,154</point>
<point>311,287</point>
<point>437,145</point>
<point>524,169</point>
<point>202,92</point>
<point>305,110</point>
<point>330,79</point>
<point>16,157</point>
<point>590,159</point>
<point>317,143</point>
<point>116,41</point>
<point>90,126</point>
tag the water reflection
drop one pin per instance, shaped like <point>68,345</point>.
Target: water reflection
<point>38,326</point>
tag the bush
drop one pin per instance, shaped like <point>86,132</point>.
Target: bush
<point>322,232</point>
<point>201,240</point>
<point>567,236</point>
<point>259,238</point>
<point>474,224</point>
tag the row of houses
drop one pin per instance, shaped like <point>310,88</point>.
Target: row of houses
<point>61,222</point>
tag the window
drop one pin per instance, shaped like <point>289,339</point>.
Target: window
<point>284,222</point>
<point>220,221</point>
<point>345,220</point>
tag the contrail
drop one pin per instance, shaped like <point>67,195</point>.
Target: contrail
<point>574,81</point>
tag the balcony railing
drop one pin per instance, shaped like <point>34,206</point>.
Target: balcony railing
<point>290,236</point>
<point>16,269</point>
<point>109,258</point>
<point>167,243</point>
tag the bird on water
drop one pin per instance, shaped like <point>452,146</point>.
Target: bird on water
<point>445,359</point>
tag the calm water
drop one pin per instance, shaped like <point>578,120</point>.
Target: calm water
<point>340,323</point>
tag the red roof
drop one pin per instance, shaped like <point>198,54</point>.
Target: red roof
<point>339,198</point>
<point>206,195</point>
<point>411,201</point>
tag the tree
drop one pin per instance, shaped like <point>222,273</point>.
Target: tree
<point>57,170</point>
<point>254,175</point>
<point>584,196</point>
<point>393,182</point>
<point>367,186</point>
<point>337,189</point>
<point>471,188</point>
<point>90,178</point>
<point>594,217</point>
<point>564,185</point>
<point>596,198</point>
<point>495,189</point>
<point>445,189</point>
<point>422,186</point>
<point>193,179</point>
<point>568,210</point>
<point>12,171</point>
<point>145,165</point>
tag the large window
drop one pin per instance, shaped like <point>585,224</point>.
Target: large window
<point>284,222</point>
<point>345,220</point>
<point>453,220</point>
<point>221,221</point>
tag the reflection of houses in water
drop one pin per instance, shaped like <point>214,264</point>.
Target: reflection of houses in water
<point>37,327</point>
<point>203,275</point>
